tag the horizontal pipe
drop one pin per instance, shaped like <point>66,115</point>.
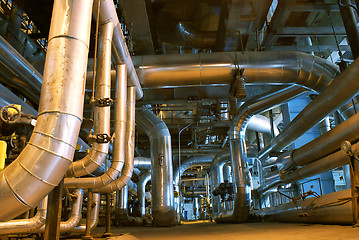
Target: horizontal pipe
<point>142,163</point>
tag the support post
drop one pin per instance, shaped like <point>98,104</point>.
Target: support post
<point>88,215</point>
<point>53,219</point>
<point>108,215</point>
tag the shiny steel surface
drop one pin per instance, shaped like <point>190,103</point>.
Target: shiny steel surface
<point>162,172</point>
<point>94,215</point>
<point>120,50</point>
<point>323,145</point>
<point>158,71</point>
<point>142,163</point>
<point>118,153</point>
<point>341,90</point>
<point>127,169</point>
<point>141,191</point>
<point>26,225</point>
<point>44,161</point>
<point>102,114</point>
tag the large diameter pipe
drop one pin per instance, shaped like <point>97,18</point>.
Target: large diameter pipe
<point>119,146</point>
<point>332,208</point>
<point>120,50</point>
<point>26,225</point>
<point>127,169</point>
<point>142,163</point>
<point>163,210</point>
<point>203,69</point>
<point>102,114</point>
<point>341,90</point>
<point>44,161</point>
<point>322,146</point>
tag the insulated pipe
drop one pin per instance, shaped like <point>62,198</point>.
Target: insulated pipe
<point>141,191</point>
<point>75,216</point>
<point>102,114</point>
<point>142,163</point>
<point>262,124</point>
<point>94,215</point>
<point>322,146</point>
<point>120,50</point>
<point>163,210</point>
<point>127,169</point>
<point>332,208</point>
<point>204,69</point>
<point>26,225</point>
<point>256,105</point>
<point>341,90</point>
<point>118,153</point>
<point>44,161</point>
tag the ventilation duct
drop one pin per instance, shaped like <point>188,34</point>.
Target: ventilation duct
<point>163,211</point>
<point>44,161</point>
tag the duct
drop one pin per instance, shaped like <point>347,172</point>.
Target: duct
<point>23,69</point>
<point>75,217</point>
<point>120,50</point>
<point>341,90</point>
<point>162,173</point>
<point>141,191</point>
<point>158,71</point>
<point>332,208</point>
<point>322,146</point>
<point>102,114</point>
<point>142,163</point>
<point>94,215</point>
<point>44,161</point>
<point>26,225</point>
<point>127,169</point>
<point>118,153</point>
<point>238,147</point>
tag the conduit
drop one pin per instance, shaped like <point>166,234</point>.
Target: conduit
<point>118,153</point>
<point>253,106</point>
<point>141,191</point>
<point>102,113</point>
<point>163,211</point>
<point>127,169</point>
<point>44,161</point>
<point>120,50</point>
<point>26,225</point>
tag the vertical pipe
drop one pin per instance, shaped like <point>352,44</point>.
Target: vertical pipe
<point>88,215</point>
<point>141,191</point>
<point>108,215</point>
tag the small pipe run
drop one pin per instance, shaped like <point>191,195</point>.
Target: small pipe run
<point>102,113</point>
<point>118,154</point>
<point>163,210</point>
<point>26,225</point>
<point>94,215</point>
<point>127,169</point>
<point>44,161</point>
<point>141,191</point>
<point>119,51</point>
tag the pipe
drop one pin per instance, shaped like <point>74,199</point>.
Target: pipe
<point>127,169</point>
<point>161,156</point>
<point>341,90</point>
<point>158,71</point>
<point>119,49</point>
<point>102,114</point>
<point>44,161</point>
<point>118,153</point>
<point>262,124</point>
<point>322,146</point>
<point>256,105</point>
<point>227,175</point>
<point>332,208</point>
<point>141,191</point>
<point>26,225</point>
<point>122,217</point>
<point>142,163</point>
<point>94,215</point>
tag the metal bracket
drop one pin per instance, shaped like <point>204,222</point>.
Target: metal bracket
<point>103,102</point>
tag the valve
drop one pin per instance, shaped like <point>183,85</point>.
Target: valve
<point>10,114</point>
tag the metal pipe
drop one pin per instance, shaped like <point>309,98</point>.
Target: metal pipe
<point>158,71</point>
<point>162,172</point>
<point>119,146</point>
<point>127,169</point>
<point>141,191</point>
<point>26,225</point>
<point>45,159</point>
<point>322,146</point>
<point>120,51</point>
<point>142,163</point>
<point>102,113</point>
<point>332,208</point>
<point>341,90</point>
<point>94,215</point>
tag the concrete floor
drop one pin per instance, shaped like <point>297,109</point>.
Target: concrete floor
<point>247,231</point>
